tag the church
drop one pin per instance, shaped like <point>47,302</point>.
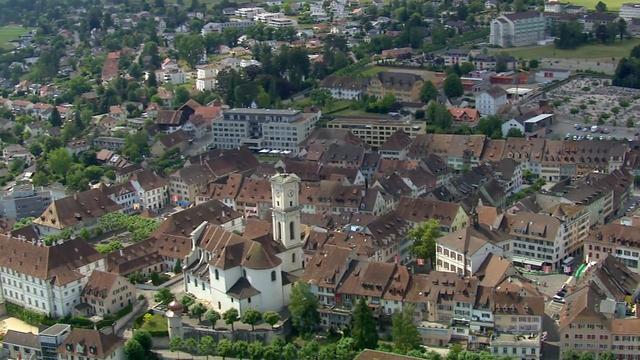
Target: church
<point>227,270</point>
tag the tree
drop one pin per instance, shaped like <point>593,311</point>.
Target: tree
<point>363,329</point>
<point>428,92</point>
<point>225,348</point>
<point>144,339</point>
<point>59,162</point>
<point>453,86</point>
<point>207,346</point>
<point>320,97</point>
<point>164,296</point>
<point>252,317</point>
<point>176,344</point>
<point>534,63</point>
<point>303,308</point>
<point>309,350</point>
<point>271,318</point>
<point>134,351</point>
<point>255,350</point>
<point>55,119</point>
<point>622,28</point>
<point>404,331</point>
<point>230,317</point>
<point>513,132</point>
<point>136,146</point>
<point>187,301</point>
<point>466,67</point>
<point>181,96</point>
<point>519,6</point>
<point>190,48</point>
<point>438,115</point>
<point>190,345</point>
<point>601,7</point>
<point>425,235</point>
<point>212,316</point>
<point>491,126</point>
<point>197,310</point>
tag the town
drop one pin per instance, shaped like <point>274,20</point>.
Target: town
<point>319,180</point>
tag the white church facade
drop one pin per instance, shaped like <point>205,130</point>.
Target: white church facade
<point>228,271</point>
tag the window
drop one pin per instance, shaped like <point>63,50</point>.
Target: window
<point>273,276</point>
<point>217,275</point>
<point>293,257</point>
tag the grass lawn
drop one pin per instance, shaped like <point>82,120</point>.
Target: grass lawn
<point>591,4</point>
<point>156,326</point>
<point>591,51</point>
<point>9,33</point>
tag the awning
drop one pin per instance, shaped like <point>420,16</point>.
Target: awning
<point>528,261</point>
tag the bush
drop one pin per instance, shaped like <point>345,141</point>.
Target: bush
<point>30,317</point>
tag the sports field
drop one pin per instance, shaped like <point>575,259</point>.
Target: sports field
<point>591,4</point>
<point>9,33</point>
<point>592,51</point>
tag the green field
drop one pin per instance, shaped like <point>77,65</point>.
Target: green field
<point>591,51</point>
<point>591,4</point>
<point>9,33</point>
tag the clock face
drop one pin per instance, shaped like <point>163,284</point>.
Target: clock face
<point>278,193</point>
<point>291,193</point>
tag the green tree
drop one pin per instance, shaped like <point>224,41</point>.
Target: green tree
<point>320,97</point>
<point>190,48</point>
<point>404,331</point>
<point>309,351</point>
<point>181,96</point>
<point>164,296</point>
<point>190,345</point>
<point>491,126</point>
<point>363,329</point>
<point>59,162</point>
<point>513,132</point>
<point>134,351</point>
<point>453,86</point>
<point>252,317</point>
<point>622,28</point>
<point>255,350</point>
<point>207,346</point>
<point>225,348</point>
<point>144,339</point>
<point>346,349</point>
<point>212,316</point>
<point>176,344</point>
<point>289,352</point>
<point>197,310</point>
<point>601,7</point>
<point>271,318</point>
<point>230,317</point>
<point>55,119</point>
<point>303,307</point>
<point>187,301</point>
<point>438,116</point>
<point>425,235</point>
<point>519,6</point>
<point>136,146</point>
<point>466,67</point>
<point>428,92</point>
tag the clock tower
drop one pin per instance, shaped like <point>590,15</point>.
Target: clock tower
<point>285,191</point>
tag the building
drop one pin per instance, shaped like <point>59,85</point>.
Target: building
<point>24,200</point>
<point>404,86</point>
<point>465,250</point>
<point>630,11</point>
<point>490,101</point>
<point>108,142</point>
<point>105,294</point>
<point>619,240</point>
<point>271,129</point>
<point>152,190</point>
<point>21,345</point>
<point>517,346</point>
<point>517,29</point>
<point>344,87</point>
<point>13,152</point>
<point>206,77</point>
<point>46,279</point>
<point>80,210</point>
<point>231,271</point>
<point>91,344</point>
<point>375,131</point>
<point>547,75</point>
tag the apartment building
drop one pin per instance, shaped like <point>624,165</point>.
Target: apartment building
<point>375,131</point>
<point>24,200</point>
<point>106,293</point>
<point>269,129</point>
<point>404,86</point>
<point>630,11</point>
<point>151,189</point>
<point>46,279</point>
<point>524,347</point>
<point>463,251</point>
<point>619,240</point>
<point>517,29</point>
<point>490,101</point>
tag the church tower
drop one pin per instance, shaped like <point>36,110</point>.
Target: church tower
<point>285,190</point>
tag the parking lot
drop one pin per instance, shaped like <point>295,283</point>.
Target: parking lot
<point>592,102</point>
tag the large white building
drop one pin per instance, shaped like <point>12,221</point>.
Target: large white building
<point>46,279</point>
<point>629,11</point>
<point>488,102</point>
<point>263,129</point>
<point>230,271</point>
<point>517,29</point>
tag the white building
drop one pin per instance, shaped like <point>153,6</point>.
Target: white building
<point>490,101</point>
<point>517,29</point>
<point>206,77</point>
<point>630,11</point>
<point>249,12</point>
<point>465,250</point>
<point>46,279</point>
<point>230,271</point>
<point>263,129</point>
<point>151,189</point>
<point>171,76</point>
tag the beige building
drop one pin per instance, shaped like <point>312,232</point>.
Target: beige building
<point>404,86</point>
<point>451,216</point>
<point>463,251</point>
<point>375,131</point>
<point>524,347</point>
<point>106,294</point>
<point>619,240</point>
